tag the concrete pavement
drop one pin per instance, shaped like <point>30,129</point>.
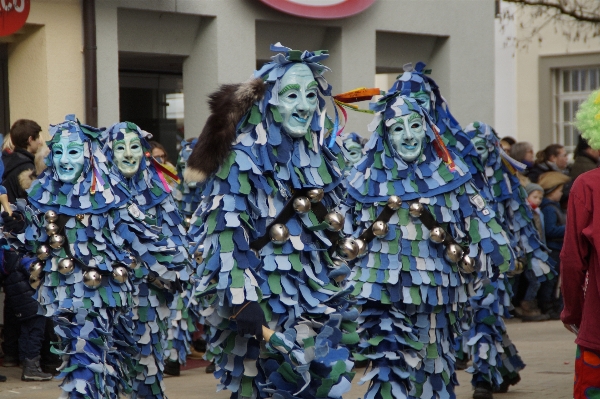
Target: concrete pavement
<point>546,347</point>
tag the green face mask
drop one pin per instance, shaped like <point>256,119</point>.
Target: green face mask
<point>407,136</point>
<point>298,100</point>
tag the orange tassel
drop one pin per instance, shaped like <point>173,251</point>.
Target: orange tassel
<point>441,149</point>
<point>359,94</point>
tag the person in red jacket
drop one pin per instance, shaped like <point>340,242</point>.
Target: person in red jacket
<point>580,261</point>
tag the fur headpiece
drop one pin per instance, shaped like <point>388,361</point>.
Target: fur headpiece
<point>231,102</point>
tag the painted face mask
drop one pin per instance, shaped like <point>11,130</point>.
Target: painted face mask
<point>68,158</point>
<point>407,134</point>
<point>128,154</point>
<point>352,151</point>
<point>481,148</point>
<point>423,99</point>
<point>298,100</point>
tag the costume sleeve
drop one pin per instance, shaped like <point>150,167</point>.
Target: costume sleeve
<point>575,255</point>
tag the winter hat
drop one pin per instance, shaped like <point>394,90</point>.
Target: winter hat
<point>531,187</point>
<point>550,181</point>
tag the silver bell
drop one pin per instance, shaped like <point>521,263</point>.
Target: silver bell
<point>380,228</point>
<point>36,268</point>
<point>454,253</point>
<point>279,233</point>
<point>34,282</point>
<point>437,235</point>
<point>66,266</point>
<point>467,264</point>
<point>301,205</point>
<point>416,209</point>
<point>92,279</point>
<point>51,228</point>
<point>347,248</point>
<point>362,246</point>
<point>43,252</point>
<point>119,274</point>
<point>315,194</point>
<point>56,241</point>
<point>394,202</point>
<point>134,263</point>
<point>334,220</point>
<point>51,216</point>
<point>199,256</point>
<point>187,221</point>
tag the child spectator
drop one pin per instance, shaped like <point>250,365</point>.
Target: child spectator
<point>554,227</point>
<point>535,195</point>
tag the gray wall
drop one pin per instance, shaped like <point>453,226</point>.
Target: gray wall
<point>223,39</point>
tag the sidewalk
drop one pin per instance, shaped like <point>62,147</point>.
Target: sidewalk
<point>546,347</point>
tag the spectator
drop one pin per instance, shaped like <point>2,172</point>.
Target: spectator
<point>554,224</point>
<point>507,142</point>
<point>523,152</point>
<point>551,158</point>
<point>580,266</point>
<point>23,327</point>
<point>586,158</point>
<point>160,155</point>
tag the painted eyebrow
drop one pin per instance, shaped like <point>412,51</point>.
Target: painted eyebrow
<point>414,116</point>
<point>312,84</point>
<point>293,86</point>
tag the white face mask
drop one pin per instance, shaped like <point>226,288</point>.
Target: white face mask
<point>407,135</point>
<point>298,100</point>
<point>68,159</point>
<point>128,154</point>
<point>423,99</point>
<point>481,148</point>
<point>352,151</point>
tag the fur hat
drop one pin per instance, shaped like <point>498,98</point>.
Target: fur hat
<point>227,105</point>
<point>531,187</point>
<point>550,181</point>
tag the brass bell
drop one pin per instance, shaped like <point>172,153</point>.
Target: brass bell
<point>51,216</point>
<point>43,252</point>
<point>66,266</point>
<point>199,256</point>
<point>301,205</point>
<point>380,228</point>
<point>92,279</point>
<point>437,235</point>
<point>334,220</point>
<point>339,262</point>
<point>394,202</point>
<point>279,233</point>
<point>339,277</point>
<point>454,253</point>
<point>467,264</point>
<point>315,194</point>
<point>362,246</point>
<point>187,221</point>
<point>34,282</point>
<point>36,268</point>
<point>519,268</point>
<point>416,209</point>
<point>79,217</point>
<point>56,241</point>
<point>134,263</point>
<point>51,228</point>
<point>347,248</point>
<point>119,274</point>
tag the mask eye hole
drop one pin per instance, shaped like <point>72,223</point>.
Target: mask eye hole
<point>58,152</point>
<point>293,96</point>
<point>73,152</point>
<point>312,95</point>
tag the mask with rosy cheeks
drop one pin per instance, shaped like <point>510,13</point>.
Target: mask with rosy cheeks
<point>68,159</point>
<point>481,147</point>
<point>128,154</point>
<point>407,135</point>
<point>298,100</point>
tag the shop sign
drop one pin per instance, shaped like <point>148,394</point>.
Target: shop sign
<point>13,14</point>
<point>320,9</point>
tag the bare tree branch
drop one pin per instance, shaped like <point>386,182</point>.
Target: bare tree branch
<point>576,10</point>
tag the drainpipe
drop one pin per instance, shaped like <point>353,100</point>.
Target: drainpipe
<point>89,56</point>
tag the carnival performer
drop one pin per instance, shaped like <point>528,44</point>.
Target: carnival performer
<point>186,195</point>
<point>496,363</point>
<point>162,267</point>
<point>424,229</point>
<point>351,145</point>
<point>265,227</point>
<point>81,274</point>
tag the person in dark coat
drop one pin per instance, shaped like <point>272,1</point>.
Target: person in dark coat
<point>23,327</point>
<point>586,158</point>
<point>551,158</point>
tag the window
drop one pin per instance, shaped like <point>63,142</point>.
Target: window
<point>572,87</point>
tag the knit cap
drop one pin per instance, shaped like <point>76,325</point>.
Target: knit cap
<point>531,187</point>
<point>550,181</point>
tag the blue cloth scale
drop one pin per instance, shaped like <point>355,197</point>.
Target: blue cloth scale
<point>413,298</point>
<point>159,328</point>
<point>291,281</point>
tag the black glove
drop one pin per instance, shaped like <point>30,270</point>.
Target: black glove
<point>14,224</point>
<point>250,318</point>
